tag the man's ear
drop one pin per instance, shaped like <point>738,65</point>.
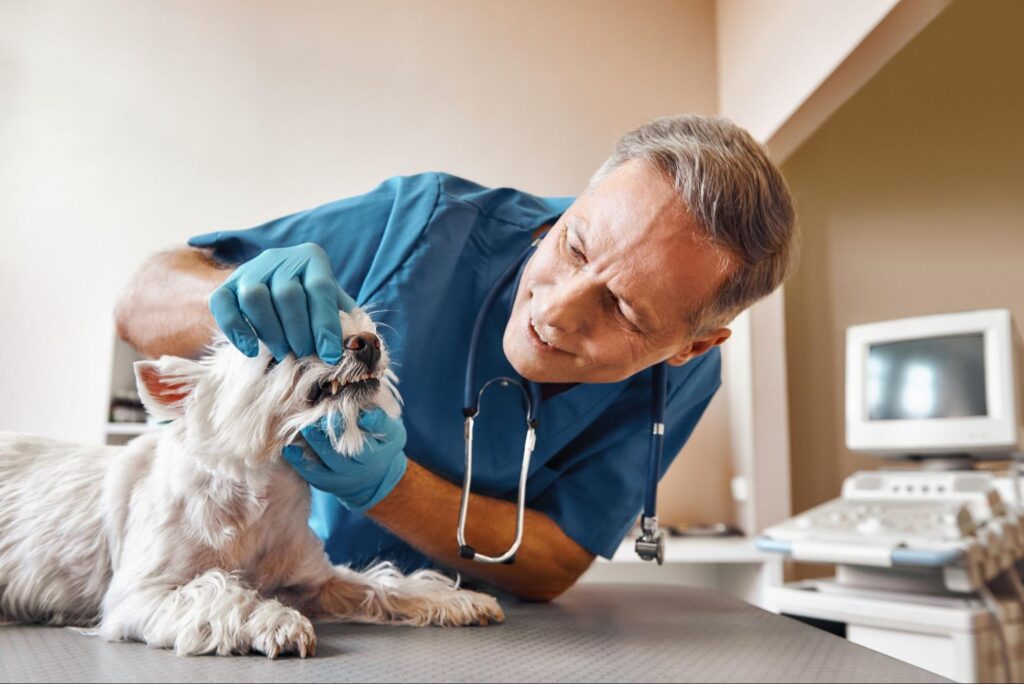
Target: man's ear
<point>699,346</point>
<point>163,385</point>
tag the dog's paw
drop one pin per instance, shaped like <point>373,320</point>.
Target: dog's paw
<point>284,631</point>
<point>469,608</point>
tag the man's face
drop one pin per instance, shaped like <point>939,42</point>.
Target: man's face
<point>610,287</point>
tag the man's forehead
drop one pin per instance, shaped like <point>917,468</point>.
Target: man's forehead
<point>653,249</point>
<point>637,205</point>
<point>634,194</point>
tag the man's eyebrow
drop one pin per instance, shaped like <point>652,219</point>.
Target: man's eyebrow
<point>645,322</point>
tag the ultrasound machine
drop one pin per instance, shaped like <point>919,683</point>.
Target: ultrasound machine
<point>929,551</point>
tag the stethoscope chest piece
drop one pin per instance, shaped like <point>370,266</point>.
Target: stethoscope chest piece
<point>651,544</point>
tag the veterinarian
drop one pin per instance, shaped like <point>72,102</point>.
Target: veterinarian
<point>683,227</point>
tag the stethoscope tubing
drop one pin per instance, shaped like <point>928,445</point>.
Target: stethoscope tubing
<point>470,395</point>
<point>659,381</point>
<point>465,550</point>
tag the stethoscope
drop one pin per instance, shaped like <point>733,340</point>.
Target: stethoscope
<point>651,543</point>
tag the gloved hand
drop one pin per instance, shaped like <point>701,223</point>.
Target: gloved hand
<point>288,297</point>
<point>359,482</point>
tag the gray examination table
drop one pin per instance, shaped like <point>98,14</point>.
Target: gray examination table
<point>592,633</point>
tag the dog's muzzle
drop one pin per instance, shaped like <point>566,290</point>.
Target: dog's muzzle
<point>360,378</point>
<point>365,347</point>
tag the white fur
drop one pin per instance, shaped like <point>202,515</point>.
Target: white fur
<point>195,537</point>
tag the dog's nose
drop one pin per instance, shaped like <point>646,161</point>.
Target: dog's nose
<point>365,346</point>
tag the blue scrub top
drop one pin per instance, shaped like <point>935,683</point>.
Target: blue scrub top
<point>420,253</point>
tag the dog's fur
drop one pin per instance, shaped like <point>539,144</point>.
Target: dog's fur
<point>195,537</point>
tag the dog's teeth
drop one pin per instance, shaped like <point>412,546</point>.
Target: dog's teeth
<point>334,386</point>
<point>359,378</point>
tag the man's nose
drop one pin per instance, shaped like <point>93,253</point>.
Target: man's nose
<point>567,303</point>
<point>365,346</point>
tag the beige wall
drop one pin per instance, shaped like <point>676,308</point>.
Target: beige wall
<point>911,201</point>
<point>773,55</point>
<point>784,67</point>
<point>695,490</point>
<point>127,126</point>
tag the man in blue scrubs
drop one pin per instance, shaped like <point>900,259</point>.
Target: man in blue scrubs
<point>684,226</point>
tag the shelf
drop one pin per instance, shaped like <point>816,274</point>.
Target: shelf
<point>730,565</point>
<point>705,550</point>
<point>923,613</point>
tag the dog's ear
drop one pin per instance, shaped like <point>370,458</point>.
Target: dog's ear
<point>163,385</point>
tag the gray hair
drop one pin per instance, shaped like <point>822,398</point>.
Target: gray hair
<point>735,193</point>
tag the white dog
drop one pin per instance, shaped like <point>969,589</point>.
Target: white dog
<point>195,537</point>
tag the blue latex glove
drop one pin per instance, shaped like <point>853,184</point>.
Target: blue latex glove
<point>359,482</point>
<point>288,297</point>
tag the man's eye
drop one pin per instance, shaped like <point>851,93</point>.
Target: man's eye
<point>573,251</point>
<point>625,319</point>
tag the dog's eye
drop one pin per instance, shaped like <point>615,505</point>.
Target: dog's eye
<point>271,365</point>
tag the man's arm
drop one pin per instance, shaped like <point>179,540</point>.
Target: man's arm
<point>423,509</point>
<point>165,310</point>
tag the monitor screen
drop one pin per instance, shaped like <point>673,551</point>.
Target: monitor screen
<point>934,377</point>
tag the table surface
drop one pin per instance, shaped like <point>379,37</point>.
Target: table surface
<point>624,633</point>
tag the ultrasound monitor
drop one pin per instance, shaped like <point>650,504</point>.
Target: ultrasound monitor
<point>941,385</point>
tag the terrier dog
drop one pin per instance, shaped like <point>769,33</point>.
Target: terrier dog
<point>194,537</point>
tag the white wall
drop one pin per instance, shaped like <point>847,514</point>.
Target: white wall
<point>127,126</point>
